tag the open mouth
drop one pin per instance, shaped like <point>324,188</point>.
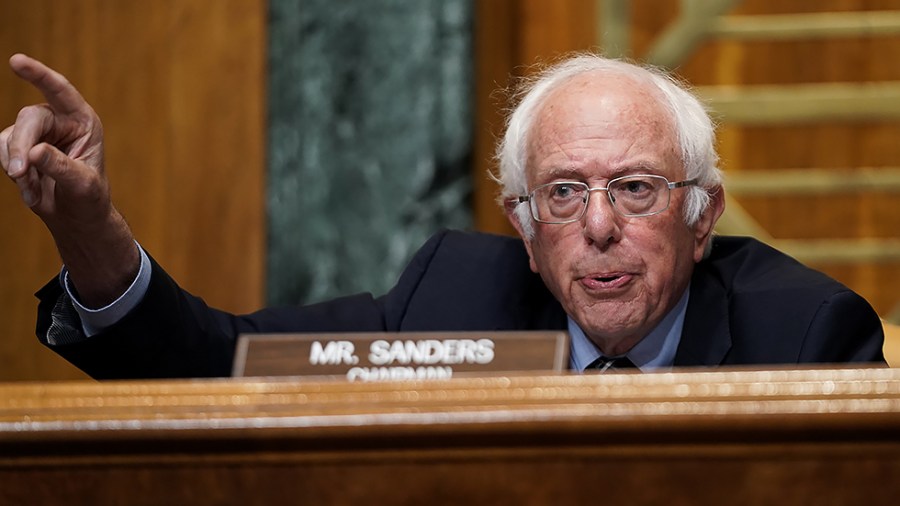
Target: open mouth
<point>606,281</point>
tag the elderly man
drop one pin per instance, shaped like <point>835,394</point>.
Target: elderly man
<point>609,175</point>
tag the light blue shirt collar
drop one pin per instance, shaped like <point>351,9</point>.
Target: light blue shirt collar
<point>655,351</point>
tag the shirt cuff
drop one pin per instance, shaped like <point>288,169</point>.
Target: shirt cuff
<point>94,321</point>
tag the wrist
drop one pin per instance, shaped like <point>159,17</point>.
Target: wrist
<point>102,261</point>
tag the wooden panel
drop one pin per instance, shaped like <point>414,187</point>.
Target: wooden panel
<point>180,86</point>
<point>727,437</point>
<point>496,29</point>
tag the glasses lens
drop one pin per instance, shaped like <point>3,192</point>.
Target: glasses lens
<point>639,195</point>
<point>557,202</point>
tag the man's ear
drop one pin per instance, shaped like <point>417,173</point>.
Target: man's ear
<point>509,208</point>
<point>703,229</point>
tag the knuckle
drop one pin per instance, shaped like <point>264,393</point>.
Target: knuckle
<point>29,111</point>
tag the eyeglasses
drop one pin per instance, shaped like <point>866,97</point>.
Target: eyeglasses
<point>631,196</point>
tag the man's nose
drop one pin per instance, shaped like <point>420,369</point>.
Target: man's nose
<point>601,222</point>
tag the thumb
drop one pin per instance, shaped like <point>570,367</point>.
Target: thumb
<point>29,187</point>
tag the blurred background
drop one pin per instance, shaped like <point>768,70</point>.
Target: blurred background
<point>279,152</point>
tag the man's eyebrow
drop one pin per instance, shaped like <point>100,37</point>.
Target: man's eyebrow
<point>563,173</point>
<point>636,168</point>
<point>580,174</point>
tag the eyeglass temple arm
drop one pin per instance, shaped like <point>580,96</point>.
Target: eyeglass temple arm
<point>511,203</point>
<point>687,182</point>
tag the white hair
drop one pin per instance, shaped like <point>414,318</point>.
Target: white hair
<point>694,129</point>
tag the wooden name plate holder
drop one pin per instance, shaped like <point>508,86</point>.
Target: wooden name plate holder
<point>400,356</point>
<point>829,436</point>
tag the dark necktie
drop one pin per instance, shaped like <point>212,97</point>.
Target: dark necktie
<point>604,364</point>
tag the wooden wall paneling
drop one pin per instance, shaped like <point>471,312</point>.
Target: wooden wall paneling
<point>217,146</point>
<point>552,29</point>
<point>495,34</point>
<point>180,87</point>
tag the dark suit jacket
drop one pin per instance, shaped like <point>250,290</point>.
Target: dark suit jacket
<point>749,304</point>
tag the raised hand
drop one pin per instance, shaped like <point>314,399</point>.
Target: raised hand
<point>54,154</point>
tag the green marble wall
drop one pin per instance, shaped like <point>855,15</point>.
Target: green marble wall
<point>370,126</point>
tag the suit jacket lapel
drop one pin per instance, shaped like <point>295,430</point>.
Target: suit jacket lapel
<point>706,335</point>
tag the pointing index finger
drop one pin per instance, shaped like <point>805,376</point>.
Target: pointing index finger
<point>59,93</point>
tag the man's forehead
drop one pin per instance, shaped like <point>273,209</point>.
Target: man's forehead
<point>604,91</point>
<point>615,101</point>
<point>589,107</point>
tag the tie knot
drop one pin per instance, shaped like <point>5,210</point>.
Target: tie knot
<point>604,364</point>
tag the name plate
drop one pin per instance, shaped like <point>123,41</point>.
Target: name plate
<point>400,355</point>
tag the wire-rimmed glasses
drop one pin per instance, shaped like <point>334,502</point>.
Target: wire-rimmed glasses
<point>632,196</point>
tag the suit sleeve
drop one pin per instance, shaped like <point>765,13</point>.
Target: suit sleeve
<point>173,334</point>
<point>844,329</point>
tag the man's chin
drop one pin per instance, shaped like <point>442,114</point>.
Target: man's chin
<point>612,336</point>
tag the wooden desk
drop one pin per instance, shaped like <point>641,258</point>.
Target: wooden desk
<point>728,437</point>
